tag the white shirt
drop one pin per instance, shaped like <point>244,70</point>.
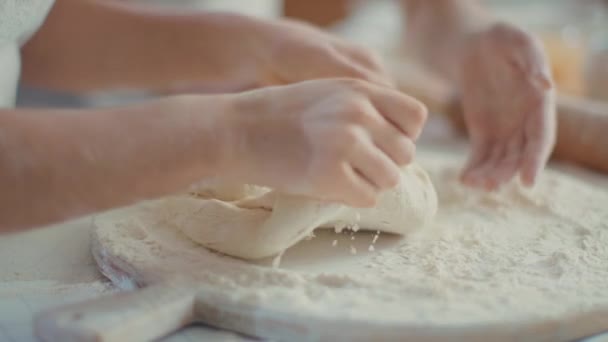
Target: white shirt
<point>19,20</point>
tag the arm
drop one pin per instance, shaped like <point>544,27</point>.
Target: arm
<point>88,45</point>
<point>347,148</point>
<point>59,164</point>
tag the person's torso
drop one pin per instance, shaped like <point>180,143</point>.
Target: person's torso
<point>19,19</point>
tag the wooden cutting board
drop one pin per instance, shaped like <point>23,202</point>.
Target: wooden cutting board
<point>172,288</point>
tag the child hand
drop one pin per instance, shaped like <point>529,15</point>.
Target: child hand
<point>339,140</point>
<point>509,106</point>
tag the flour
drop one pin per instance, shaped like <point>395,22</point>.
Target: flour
<point>508,258</point>
<point>60,253</point>
<point>253,223</point>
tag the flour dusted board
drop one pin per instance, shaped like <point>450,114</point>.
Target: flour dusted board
<point>515,265</point>
<point>260,223</point>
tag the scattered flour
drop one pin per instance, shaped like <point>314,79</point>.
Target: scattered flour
<point>512,256</point>
<point>254,223</point>
<point>376,237</point>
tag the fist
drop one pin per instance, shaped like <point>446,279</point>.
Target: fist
<point>338,140</point>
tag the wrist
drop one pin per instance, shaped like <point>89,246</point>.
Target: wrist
<point>204,132</point>
<point>240,128</point>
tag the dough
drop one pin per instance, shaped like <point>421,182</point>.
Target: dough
<point>252,222</point>
<point>528,262</point>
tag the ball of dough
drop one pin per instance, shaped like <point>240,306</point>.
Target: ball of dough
<point>265,223</point>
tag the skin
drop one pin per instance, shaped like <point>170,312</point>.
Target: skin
<point>213,52</point>
<point>507,66</point>
<point>583,126</point>
<point>347,147</point>
<point>502,79</point>
<point>341,139</point>
<point>505,87</point>
<point>58,164</point>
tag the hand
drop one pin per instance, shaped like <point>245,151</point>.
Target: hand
<point>292,52</point>
<point>339,140</point>
<point>509,106</point>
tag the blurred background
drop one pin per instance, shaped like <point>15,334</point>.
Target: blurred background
<point>574,32</point>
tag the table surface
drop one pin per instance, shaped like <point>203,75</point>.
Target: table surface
<point>17,312</point>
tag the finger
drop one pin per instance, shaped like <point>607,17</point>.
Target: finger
<point>536,156</point>
<point>394,143</point>
<point>480,176</point>
<point>511,162</point>
<point>357,191</point>
<point>404,112</point>
<point>539,143</point>
<point>399,148</point>
<point>375,166</point>
<point>504,171</point>
<point>486,171</point>
<point>480,151</point>
<point>532,164</point>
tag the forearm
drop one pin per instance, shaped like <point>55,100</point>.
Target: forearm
<point>88,45</point>
<point>60,164</point>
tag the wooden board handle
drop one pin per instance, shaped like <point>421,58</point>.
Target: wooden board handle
<point>140,315</point>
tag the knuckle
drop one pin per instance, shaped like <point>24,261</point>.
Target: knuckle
<point>356,115</point>
<point>355,84</point>
<point>355,112</point>
<point>350,134</point>
<point>416,117</point>
<point>344,140</point>
<point>406,151</point>
<point>420,112</point>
